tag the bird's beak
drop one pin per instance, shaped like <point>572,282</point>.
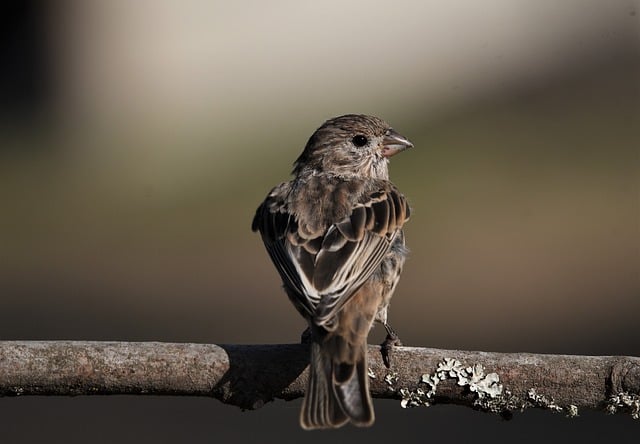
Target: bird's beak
<point>393,143</point>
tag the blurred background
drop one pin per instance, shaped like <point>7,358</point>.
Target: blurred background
<point>137,139</point>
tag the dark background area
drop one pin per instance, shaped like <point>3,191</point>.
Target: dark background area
<point>136,141</point>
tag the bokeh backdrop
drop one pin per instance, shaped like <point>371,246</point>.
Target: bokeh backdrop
<point>137,139</point>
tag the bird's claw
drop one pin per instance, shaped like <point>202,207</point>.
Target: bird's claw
<point>386,348</point>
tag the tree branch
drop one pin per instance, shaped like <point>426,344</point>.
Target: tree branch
<point>250,375</point>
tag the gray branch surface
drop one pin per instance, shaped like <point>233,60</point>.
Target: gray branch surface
<point>250,375</point>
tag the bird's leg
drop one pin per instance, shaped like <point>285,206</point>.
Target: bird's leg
<point>305,337</point>
<point>386,347</point>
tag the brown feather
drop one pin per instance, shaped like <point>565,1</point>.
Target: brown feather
<point>381,217</point>
<point>335,236</point>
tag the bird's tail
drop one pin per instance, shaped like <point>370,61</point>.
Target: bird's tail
<point>338,389</point>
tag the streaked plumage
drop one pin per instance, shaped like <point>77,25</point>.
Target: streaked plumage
<point>335,236</point>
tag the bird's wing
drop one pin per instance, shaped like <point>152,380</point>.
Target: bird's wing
<point>274,221</point>
<point>324,269</point>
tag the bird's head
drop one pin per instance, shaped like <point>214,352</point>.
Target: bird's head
<point>351,145</point>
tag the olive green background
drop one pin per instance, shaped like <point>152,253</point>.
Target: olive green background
<point>132,160</point>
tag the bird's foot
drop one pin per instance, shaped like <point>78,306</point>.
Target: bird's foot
<point>386,348</point>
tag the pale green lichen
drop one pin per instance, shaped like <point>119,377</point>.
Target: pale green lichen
<point>542,401</point>
<point>370,373</point>
<point>391,378</point>
<point>417,398</point>
<point>539,400</point>
<point>491,396</point>
<point>471,376</point>
<point>625,401</point>
<point>507,403</point>
<point>432,381</point>
<point>504,404</point>
<point>478,382</point>
<point>484,386</point>
<point>449,368</point>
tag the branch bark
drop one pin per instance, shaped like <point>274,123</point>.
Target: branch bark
<point>250,375</point>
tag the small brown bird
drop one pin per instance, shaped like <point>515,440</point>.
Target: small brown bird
<point>334,233</point>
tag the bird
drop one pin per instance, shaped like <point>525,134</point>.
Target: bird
<point>334,233</point>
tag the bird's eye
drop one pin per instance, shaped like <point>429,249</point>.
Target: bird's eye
<point>360,140</point>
